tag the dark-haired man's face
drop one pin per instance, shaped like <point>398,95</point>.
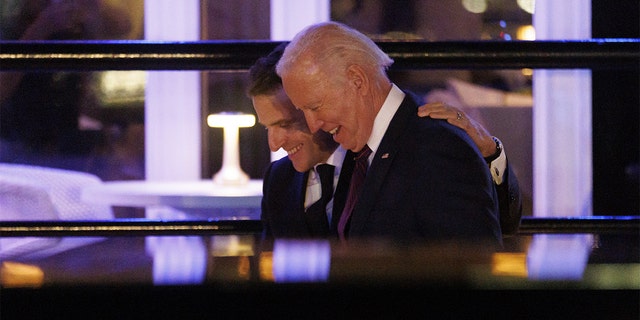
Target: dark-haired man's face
<point>287,129</point>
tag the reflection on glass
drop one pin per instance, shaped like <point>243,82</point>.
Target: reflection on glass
<point>231,246</point>
<point>179,260</point>
<point>301,260</point>
<point>79,121</point>
<point>121,88</point>
<point>558,257</point>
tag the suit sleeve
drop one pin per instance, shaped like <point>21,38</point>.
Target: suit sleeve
<point>509,203</point>
<point>265,211</point>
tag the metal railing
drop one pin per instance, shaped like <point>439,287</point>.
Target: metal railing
<point>240,55</point>
<point>146,227</point>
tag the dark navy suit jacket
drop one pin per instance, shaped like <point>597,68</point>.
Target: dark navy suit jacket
<point>284,189</point>
<point>427,181</point>
<point>510,202</point>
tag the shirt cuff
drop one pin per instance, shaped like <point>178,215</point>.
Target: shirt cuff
<point>498,167</point>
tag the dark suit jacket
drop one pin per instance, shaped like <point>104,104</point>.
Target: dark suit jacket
<point>509,202</point>
<point>427,181</point>
<point>283,214</point>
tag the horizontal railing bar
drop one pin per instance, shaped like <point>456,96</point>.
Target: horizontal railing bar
<point>127,227</point>
<point>237,55</point>
<point>580,224</point>
<point>146,227</point>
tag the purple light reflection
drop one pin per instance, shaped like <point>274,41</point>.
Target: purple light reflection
<point>558,257</point>
<point>301,260</point>
<point>179,260</point>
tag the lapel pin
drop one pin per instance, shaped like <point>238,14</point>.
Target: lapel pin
<point>385,155</point>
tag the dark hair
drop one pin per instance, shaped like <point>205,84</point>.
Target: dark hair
<point>263,78</point>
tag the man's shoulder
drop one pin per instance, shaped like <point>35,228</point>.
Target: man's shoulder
<point>280,175</point>
<point>282,164</point>
<point>282,161</point>
<point>282,169</point>
<point>409,108</point>
<point>427,133</point>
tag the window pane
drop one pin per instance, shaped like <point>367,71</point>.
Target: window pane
<point>89,122</point>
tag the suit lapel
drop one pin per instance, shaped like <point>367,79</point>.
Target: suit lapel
<point>381,163</point>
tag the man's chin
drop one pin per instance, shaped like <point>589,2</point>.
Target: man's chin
<point>301,167</point>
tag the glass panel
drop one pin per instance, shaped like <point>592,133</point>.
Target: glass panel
<point>90,122</point>
<point>195,260</point>
<point>225,91</point>
<point>104,135</point>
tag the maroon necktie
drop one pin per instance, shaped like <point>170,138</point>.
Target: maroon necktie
<point>357,179</point>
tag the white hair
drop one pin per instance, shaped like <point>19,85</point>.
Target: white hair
<point>331,45</point>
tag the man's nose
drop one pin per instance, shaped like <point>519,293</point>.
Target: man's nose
<point>313,122</point>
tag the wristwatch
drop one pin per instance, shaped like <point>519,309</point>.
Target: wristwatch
<point>494,156</point>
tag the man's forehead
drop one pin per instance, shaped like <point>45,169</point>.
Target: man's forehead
<point>277,112</point>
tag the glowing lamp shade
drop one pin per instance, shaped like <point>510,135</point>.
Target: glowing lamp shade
<point>231,173</point>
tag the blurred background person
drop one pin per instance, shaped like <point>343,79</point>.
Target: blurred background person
<point>53,119</point>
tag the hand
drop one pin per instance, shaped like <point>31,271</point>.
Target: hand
<point>457,117</point>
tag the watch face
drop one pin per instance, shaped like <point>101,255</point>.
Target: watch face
<point>494,156</point>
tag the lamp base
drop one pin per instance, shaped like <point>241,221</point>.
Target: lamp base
<point>230,177</point>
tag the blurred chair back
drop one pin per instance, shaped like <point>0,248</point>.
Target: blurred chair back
<point>41,193</point>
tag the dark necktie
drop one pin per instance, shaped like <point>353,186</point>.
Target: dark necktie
<point>357,179</point>
<point>326,181</point>
<point>316,215</point>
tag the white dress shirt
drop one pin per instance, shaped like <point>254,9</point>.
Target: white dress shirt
<point>383,118</point>
<point>314,189</point>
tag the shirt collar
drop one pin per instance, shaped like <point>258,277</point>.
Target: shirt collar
<point>336,159</point>
<point>383,118</point>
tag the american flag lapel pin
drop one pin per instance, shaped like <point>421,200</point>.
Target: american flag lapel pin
<point>385,155</point>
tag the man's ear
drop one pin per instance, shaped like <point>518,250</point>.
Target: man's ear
<point>358,78</point>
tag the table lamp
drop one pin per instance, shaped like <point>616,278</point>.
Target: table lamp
<point>231,122</point>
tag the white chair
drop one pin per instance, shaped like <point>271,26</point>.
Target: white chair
<point>39,193</point>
